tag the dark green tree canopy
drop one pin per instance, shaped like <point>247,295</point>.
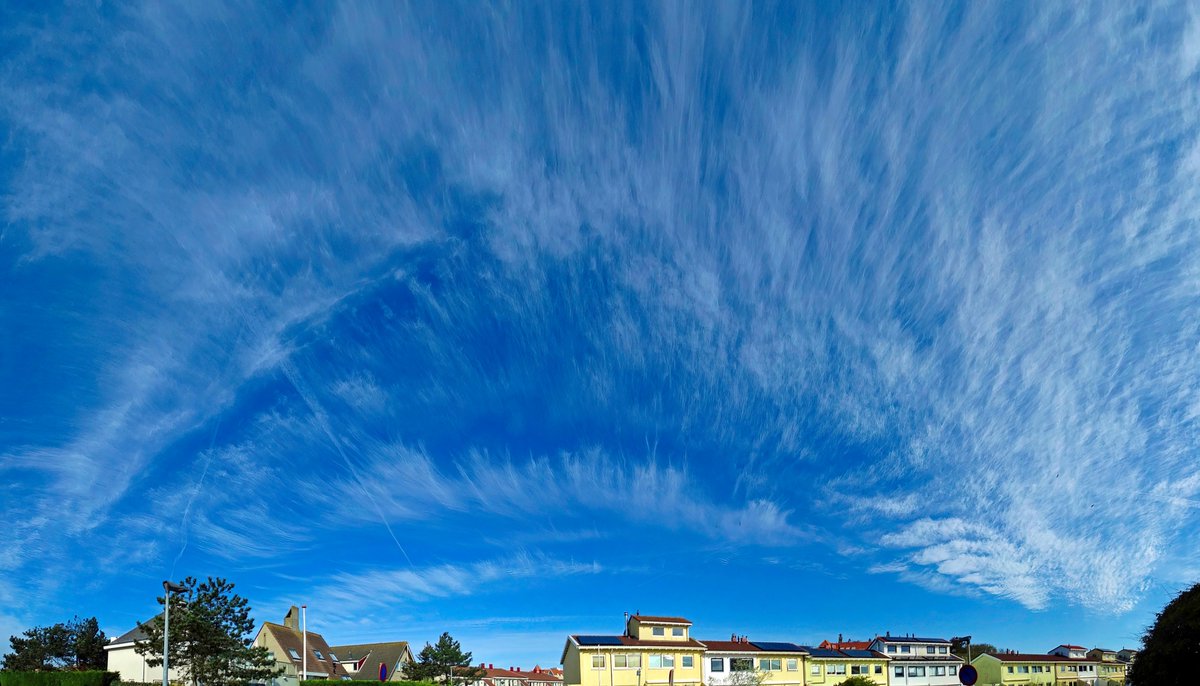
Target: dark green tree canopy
<point>211,637</point>
<point>444,661</point>
<point>1172,645</point>
<point>75,645</point>
<point>857,681</point>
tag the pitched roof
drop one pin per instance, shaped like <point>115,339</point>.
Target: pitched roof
<point>369,655</point>
<point>289,639</point>
<point>660,620</point>
<point>538,674</point>
<point>846,645</point>
<point>133,635</point>
<point>1068,647</point>
<point>865,654</point>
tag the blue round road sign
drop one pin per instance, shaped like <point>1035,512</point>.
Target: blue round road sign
<point>968,675</point>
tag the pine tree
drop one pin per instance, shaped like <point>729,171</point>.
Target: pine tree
<point>211,639</point>
<point>78,644</point>
<point>444,662</point>
<point>1171,645</point>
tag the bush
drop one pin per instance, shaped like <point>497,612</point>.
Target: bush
<point>96,678</point>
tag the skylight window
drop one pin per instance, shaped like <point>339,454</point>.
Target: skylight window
<point>295,655</point>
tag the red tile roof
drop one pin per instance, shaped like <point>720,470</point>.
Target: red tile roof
<point>846,645</point>
<point>1064,645</point>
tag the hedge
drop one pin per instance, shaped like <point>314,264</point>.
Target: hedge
<point>96,678</point>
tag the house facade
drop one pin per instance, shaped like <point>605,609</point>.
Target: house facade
<point>123,658</point>
<point>652,651</point>
<point>1078,669</point>
<point>917,661</point>
<point>366,661</point>
<point>287,647</point>
<point>778,663</point>
<point>829,667</point>
<point>1030,669</point>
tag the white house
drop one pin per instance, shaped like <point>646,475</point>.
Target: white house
<point>1081,670</point>
<point>917,661</point>
<point>123,658</point>
<point>782,664</point>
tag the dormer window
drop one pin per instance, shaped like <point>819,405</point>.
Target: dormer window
<point>659,631</point>
<point>677,631</point>
<point>906,649</point>
<point>318,654</point>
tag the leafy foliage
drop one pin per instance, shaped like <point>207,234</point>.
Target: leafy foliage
<point>444,661</point>
<point>74,645</point>
<point>742,677</point>
<point>211,639</point>
<point>960,649</point>
<point>59,678</point>
<point>859,681</point>
<point>1172,645</point>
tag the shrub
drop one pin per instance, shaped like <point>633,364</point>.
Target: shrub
<point>95,678</point>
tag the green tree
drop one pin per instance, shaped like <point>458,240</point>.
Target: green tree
<point>959,648</point>
<point>75,645</point>
<point>444,661</point>
<point>858,681</point>
<point>742,677</point>
<point>211,639</point>
<point>1171,645</point>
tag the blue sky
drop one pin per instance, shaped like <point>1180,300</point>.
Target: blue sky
<point>793,319</point>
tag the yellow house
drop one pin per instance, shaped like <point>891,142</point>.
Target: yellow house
<point>1017,668</point>
<point>827,667</point>
<point>776,663</point>
<point>652,651</point>
<point>1110,671</point>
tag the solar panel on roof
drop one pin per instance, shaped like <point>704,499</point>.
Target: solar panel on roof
<point>822,652</point>
<point>777,646</point>
<point>859,653</point>
<point>599,640</point>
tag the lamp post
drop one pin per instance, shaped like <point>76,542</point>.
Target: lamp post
<point>168,589</point>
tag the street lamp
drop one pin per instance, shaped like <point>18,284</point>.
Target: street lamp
<point>168,589</point>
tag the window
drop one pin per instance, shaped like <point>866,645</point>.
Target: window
<point>814,669</point>
<point>899,672</point>
<point>938,670</point>
<point>295,655</point>
<point>1023,669</point>
<point>668,660</point>
<point>659,631</point>
<point>318,654</point>
<point>858,669</point>
<point>916,671</point>
<point>1010,669</point>
<point>717,664</point>
<point>768,664</point>
<point>891,649</point>
<point>677,631</point>
<point>333,657</point>
<point>944,650</point>
<point>621,661</point>
<point>687,661</point>
<point>930,650</point>
<point>906,649</point>
<point>792,664</point>
<point>741,664</point>
<point>953,670</point>
<point>879,669</point>
<point>597,662</point>
<point>838,668</point>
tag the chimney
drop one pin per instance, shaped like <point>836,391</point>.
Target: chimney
<point>888,634</point>
<point>732,637</point>
<point>292,619</point>
<point>839,639</point>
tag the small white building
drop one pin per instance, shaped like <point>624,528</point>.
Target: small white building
<point>916,661</point>
<point>123,658</point>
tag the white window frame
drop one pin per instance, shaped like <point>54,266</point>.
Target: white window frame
<point>598,661</point>
<point>294,653</point>
<point>677,631</point>
<point>686,661</point>
<point>658,631</point>
<point>793,664</point>
<point>716,664</point>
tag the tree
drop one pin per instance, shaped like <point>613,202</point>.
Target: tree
<point>858,681</point>
<point>741,677</point>
<point>211,639</point>
<point>1171,644</point>
<point>959,648</point>
<point>74,645</point>
<point>444,661</point>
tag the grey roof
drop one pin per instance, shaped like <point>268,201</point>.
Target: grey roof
<point>911,639</point>
<point>135,634</point>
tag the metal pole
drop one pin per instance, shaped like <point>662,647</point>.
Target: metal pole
<point>304,633</point>
<point>166,631</point>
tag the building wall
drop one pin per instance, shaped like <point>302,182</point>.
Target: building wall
<point>992,672</point>
<point>780,677</point>
<point>645,631</point>
<point>579,670</point>
<point>832,671</point>
<point>290,672</point>
<point>132,666</point>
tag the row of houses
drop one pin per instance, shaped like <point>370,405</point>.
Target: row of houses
<point>288,646</point>
<point>661,651</point>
